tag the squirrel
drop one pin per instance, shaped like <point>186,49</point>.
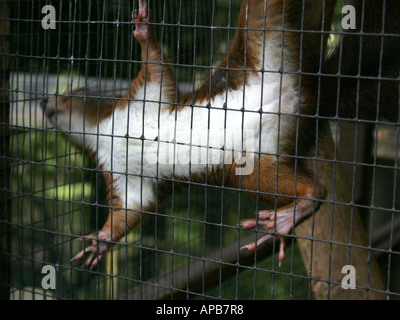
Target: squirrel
<point>251,125</point>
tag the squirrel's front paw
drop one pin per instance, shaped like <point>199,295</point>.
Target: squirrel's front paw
<point>100,245</point>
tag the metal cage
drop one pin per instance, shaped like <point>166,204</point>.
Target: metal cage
<point>52,193</point>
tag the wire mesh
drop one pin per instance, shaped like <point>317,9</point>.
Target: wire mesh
<point>189,246</point>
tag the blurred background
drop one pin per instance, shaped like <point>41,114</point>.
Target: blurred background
<point>57,195</point>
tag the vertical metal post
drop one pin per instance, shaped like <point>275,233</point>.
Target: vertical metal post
<point>339,239</point>
<point>5,202</point>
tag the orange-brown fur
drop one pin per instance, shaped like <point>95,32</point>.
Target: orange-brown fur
<point>273,181</point>
<point>279,180</point>
<point>155,66</point>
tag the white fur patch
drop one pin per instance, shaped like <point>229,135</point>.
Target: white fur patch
<point>142,143</point>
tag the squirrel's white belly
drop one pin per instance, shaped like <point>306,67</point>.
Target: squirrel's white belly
<point>187,142</point>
